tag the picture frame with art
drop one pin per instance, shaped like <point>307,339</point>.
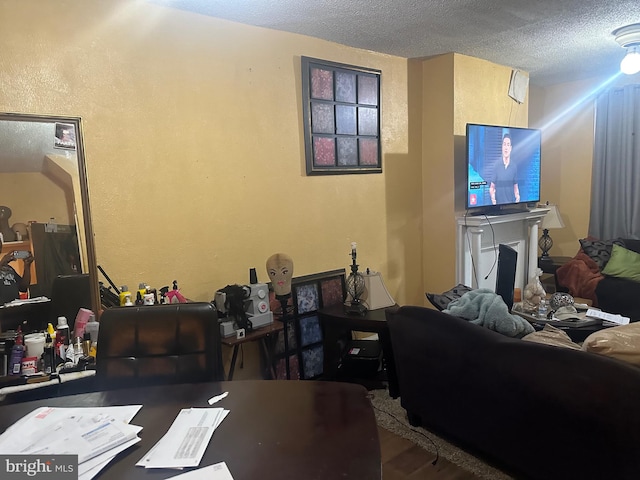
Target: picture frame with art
<point>310,293</point>
<point>65,136</point>
<point>341,115</point>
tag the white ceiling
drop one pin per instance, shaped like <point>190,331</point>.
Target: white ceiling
<point>554,40</point>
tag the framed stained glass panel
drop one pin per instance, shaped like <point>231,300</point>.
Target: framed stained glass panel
<point>341,115</point>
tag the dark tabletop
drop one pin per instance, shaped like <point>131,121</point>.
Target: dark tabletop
<point>294,430</point>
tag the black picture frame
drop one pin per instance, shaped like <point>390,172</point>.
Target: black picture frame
<point>341,110</point>
<point>309,294</point>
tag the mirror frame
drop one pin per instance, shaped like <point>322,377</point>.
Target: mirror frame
<point>92,264</point>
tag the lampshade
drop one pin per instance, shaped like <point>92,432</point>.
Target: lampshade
<point>629,38</point>
<point>552,219</point>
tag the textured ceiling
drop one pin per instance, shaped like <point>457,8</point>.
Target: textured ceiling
<point>554,40</point>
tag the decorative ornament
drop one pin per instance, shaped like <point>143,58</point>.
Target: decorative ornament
<point>533,293</point>
<point>560,299</point>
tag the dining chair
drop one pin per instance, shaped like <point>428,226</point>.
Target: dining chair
<point>158,344</point>
<point>69,293</point>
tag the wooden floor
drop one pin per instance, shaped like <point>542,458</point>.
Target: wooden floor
<point>403,459</point>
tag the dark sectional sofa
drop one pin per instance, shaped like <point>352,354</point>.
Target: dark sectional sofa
<point>582,277</point>
<point>534,410</point>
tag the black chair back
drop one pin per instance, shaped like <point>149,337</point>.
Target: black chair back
<point>158,344</point>
<point>69,293</point>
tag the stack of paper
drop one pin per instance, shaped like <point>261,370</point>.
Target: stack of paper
<point>96,435</point>
<point>608,317</point>
<point>186,440</point>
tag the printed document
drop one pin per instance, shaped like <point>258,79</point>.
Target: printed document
<point>217,471</point>
<point>186,440</point>
<point>86,432</point>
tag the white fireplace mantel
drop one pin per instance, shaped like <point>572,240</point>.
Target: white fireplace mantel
<point>477,241</point>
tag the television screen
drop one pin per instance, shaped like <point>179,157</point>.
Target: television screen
<point>503,165</point>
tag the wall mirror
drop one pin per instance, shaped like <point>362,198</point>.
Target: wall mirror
<point>43,182</point>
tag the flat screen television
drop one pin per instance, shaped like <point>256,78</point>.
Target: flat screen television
<point>503,167</point>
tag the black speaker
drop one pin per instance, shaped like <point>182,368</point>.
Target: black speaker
<point>506,275</point>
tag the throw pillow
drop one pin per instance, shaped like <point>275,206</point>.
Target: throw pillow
<point>551,335</point>
<point>599,250</point>
<point>623,264</point>
<point>442,301</point>
<point>621,342</point>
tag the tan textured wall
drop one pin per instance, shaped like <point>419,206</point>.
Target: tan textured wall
<point>194,144</point>
<point>437,173</point>
<point>481,95</point>
<point>457,90</point>
<point>565,113</point>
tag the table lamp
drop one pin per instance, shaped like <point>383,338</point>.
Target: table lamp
<point>355,286</point>
<point>551,220</point>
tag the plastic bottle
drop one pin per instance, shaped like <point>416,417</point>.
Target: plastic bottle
<point>86,344</point>
<point>17,352</point>
<point>81,321</point>
<point>49,356</point>
<point>124,292</point>
<point>142,291</point>
<point>52,332</point>
<point>92,328</point>
<point>62,337</point>
<point>542,308</point>
<point>77,350</point>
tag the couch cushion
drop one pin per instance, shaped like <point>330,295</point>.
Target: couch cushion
<point>632,244</point>
<point>623,264</point>
<point>599,250</point>
<point>551,335</point>
<point>621,342</point>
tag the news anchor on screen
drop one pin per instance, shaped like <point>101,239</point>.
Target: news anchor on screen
<point>504,184</point>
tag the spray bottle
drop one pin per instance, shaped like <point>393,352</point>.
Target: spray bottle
<point>49,356</point>
<point>62,338</point>
<point>124,293</point>
<point>17,352</point>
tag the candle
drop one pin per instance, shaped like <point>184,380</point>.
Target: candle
<point>353,248</point>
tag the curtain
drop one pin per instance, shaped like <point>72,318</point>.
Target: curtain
<point>615,184</point>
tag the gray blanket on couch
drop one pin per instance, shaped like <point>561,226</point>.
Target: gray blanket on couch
<point>487,309</point>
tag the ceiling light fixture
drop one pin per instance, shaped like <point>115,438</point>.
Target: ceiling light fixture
<point>629,37</point>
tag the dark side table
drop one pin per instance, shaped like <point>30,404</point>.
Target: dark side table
<point>337,326</point>
<point>551,264</point>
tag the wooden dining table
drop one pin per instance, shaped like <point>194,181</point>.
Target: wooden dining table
<point>282,430</point>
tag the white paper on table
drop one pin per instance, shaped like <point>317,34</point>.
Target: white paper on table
<point>186,440</point>
<point>89,469</point>
<point>45,417</point>
<point>86,432</point>
<point>608,317</point>
<point>217,471</point>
